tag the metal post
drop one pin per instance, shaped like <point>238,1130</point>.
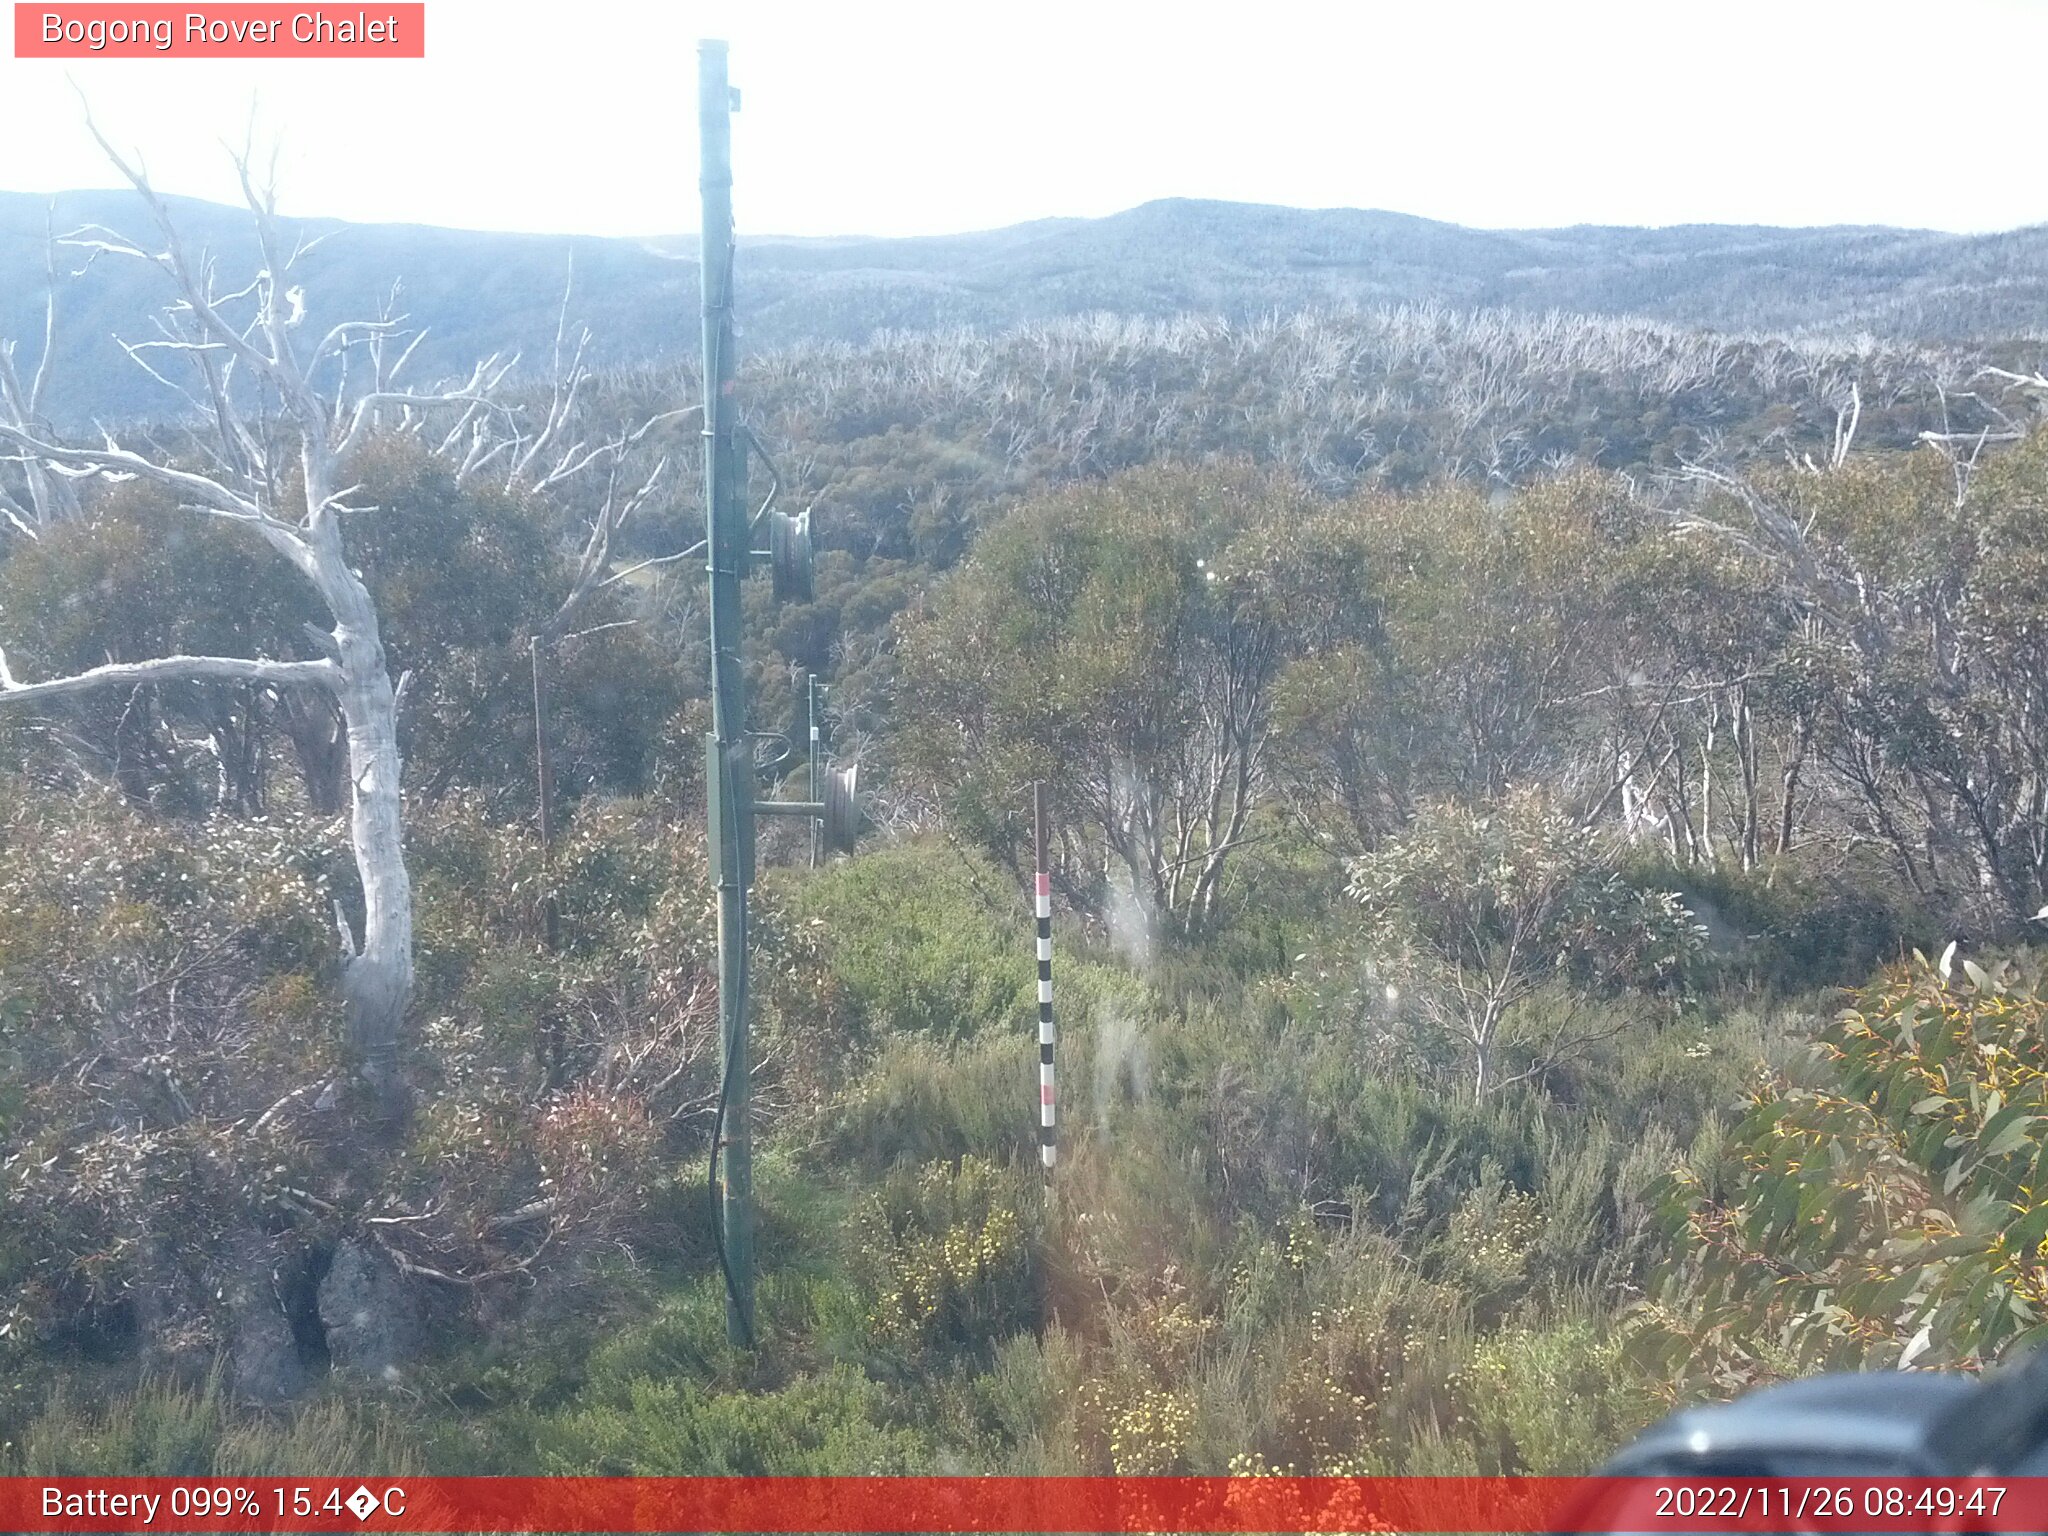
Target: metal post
<point>729,774</point>
<point>1048,1148</point>
<point>817,747</point>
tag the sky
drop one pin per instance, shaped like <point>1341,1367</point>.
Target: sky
<point>898,118</point>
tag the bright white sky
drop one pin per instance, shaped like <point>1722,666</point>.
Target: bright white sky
<point>896,117</point>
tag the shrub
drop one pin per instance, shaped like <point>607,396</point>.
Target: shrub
<point>160,987</point>
<point>1886,1203</point>
<point>1555,1401</point>
<point>922,938</point>
<point>1792,927</point>
<point>922,1099</point>
<point>833,1423</point>
<point>1475,911</point>
<point>1486,1248</point>
<point>953,1257</point>
<point>162,1429</point>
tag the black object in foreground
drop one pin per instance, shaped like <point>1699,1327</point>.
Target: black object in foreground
<point>1877,1424</point>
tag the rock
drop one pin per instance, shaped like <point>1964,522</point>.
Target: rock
<point>367,1312</point>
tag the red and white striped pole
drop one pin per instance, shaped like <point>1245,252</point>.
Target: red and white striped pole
<point>1047,1147</point>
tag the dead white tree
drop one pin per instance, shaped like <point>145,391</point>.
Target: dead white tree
<point>247,479</point>
<point>43,496</point>
<point>272,460</point>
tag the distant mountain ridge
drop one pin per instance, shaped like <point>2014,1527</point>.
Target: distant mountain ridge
<point>481,292</point>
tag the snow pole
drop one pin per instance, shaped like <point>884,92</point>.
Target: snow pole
<point>1048,1149</point>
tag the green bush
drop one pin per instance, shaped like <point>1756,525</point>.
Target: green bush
<point>1881,1203</point>
<point>952,1257</point>
<point>922,1099</point>
<point>1793,928</point>
<point>922,938</point>
<point>1555,1401</point>
<point>834,1423</point>
<point>1489,1241</point>
<point>162,1429</point>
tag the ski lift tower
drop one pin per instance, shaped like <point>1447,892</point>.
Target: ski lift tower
<point>736,542</point>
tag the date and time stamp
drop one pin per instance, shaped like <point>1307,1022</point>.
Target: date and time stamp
<point>1214,1506</point>
<point>1822,1505</point>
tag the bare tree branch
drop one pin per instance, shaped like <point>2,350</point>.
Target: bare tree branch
<point>214,496</point>
<point>170,669</point>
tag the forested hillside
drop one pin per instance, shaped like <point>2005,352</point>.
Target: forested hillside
<point>476,293</point>
<point>1549,813</point>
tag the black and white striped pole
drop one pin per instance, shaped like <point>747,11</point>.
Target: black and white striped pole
<point>1048,1148</point>
<point>817,749</point>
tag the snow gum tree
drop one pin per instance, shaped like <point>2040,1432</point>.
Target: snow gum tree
<point>275,418</point>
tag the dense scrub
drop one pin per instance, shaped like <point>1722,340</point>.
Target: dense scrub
<point>1454,882</point>
<point>1245,1194</point>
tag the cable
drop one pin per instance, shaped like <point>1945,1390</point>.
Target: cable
<point>732,1290</point>
<point>715,366</point>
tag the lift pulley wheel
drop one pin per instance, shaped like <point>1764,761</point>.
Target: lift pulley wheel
<point>842,818</point>
<point>789,556</point>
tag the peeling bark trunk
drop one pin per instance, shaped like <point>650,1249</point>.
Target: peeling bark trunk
<point>1749,838</point>
<point>377,973</point>
<point>1788,807</point>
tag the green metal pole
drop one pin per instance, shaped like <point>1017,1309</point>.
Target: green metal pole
<point>729,774</point>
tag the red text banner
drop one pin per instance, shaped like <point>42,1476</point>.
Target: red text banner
<point>223,31</point>
<point>1007,1504</point>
